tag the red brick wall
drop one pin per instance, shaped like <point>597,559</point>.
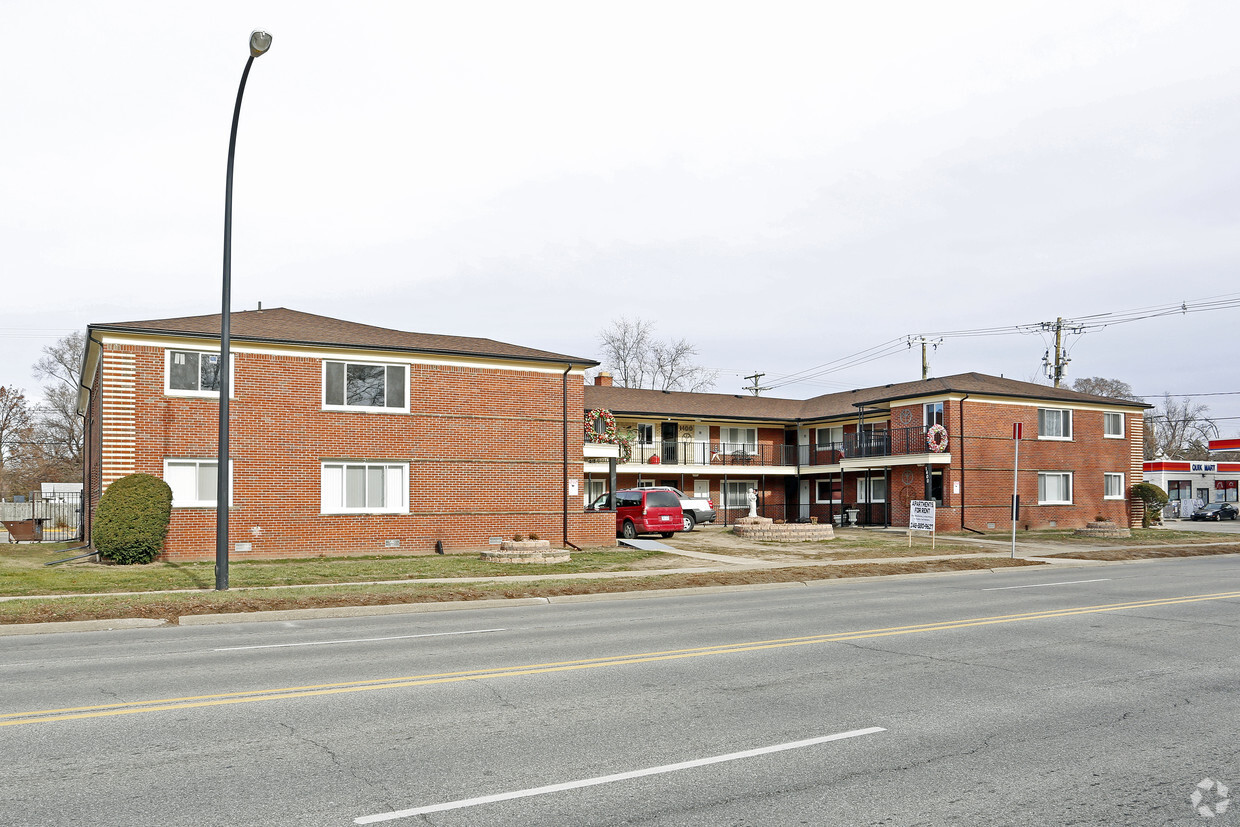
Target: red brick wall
<point>484,448</point>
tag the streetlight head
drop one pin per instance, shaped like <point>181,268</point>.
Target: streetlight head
<point>260,42</point>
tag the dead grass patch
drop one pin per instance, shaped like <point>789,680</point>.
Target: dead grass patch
<point>1149,553</point>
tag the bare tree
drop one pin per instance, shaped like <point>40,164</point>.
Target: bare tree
<point>637,359</point>
<point>1114,388</point>
<point>58,437</point>
<point>1179,429</point>
<point>14,433</point>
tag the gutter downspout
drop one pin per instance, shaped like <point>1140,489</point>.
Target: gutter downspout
<point>963,490</point>
<point>564,481</point>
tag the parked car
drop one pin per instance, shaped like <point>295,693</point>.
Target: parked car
<point>1216,511</point>
<point>643,511</point>
<point>696,509</point>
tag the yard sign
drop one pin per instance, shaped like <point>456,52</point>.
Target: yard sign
<point>921,518</point>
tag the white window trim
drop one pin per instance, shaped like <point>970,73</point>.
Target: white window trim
<point>1071,425</point>
<point>200,503</point>
<point>744,503</point>
<point>1107,496</point>
<point>861,490</point>
<point>401,506</point>
<point>752,447</point>
<point>1120,414</point>
<point>829,487</point>
<point>1071,488</point>
<point>171,391</point>
<point>365,408</point>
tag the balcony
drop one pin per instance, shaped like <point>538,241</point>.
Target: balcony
<point>715,454</point>
<point>888,442</point>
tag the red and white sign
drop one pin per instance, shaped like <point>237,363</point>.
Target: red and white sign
<point>1018,430</point>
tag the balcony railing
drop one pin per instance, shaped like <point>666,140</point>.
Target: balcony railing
<point>889,442</point>
<point>714,453</point>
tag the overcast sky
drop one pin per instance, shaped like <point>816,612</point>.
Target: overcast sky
<point>782,184</point>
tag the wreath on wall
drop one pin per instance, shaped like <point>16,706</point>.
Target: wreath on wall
<point>609,426</point>
<point>936,438</point>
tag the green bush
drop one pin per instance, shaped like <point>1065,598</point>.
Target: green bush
<point>1154,499</point>
<point>132,519</point>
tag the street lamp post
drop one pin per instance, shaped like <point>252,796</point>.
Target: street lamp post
<point>260,42</point>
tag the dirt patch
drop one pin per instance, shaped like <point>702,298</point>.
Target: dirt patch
<point>1148,553</point>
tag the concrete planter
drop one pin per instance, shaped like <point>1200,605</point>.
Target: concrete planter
<point>1104,528</point>
<point>526,551</point>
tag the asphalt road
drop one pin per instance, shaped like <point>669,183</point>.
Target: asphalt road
<point>1092,695</point>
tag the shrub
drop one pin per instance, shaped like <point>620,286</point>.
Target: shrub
<point>1153,497</point>
<point>132,519</point>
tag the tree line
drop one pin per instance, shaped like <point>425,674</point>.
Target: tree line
<point>43,442</point>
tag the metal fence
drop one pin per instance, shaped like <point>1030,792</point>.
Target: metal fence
<point>47,518</point>
<point>714,453</point>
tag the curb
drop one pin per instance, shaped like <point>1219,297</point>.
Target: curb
<point>354,611</point>
<point>81,626</point>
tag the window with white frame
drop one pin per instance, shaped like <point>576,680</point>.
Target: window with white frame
<point>877,488</point>
<point>193,373</point>
<point>827,491</point>
<point>828,437</point>
<point>738,439</point>
<point>365,487</point>
<point>645,433</point>
<point>1113,486</point>
<point>1054,423</point>
<point>736,493</point>
<point>365,386</point>
<point>194,482</point>
<point>1113,425</point>
<point>934,413</point>
<point>1054,488</point>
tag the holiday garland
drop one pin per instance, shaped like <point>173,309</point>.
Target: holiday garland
<point>936,438</point>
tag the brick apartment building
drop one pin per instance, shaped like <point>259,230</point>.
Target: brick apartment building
<point>344,437</point>
<point>865,454</point>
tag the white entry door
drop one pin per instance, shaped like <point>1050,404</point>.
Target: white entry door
<point>804,499</point>
<point>701,444</point>
<point>701,488</point>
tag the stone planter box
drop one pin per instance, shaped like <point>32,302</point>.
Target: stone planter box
<point>761,528</point>
<point>1105,528</point>
<point>526,551</point>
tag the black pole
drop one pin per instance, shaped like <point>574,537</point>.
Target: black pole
<point>221,471</point>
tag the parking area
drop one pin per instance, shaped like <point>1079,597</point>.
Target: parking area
<point>1224,527</point>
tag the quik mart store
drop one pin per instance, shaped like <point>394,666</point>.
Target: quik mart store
<point>1190,484</point>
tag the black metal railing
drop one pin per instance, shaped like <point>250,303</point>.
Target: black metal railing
<point>887,442</point>
<point>714,453</point>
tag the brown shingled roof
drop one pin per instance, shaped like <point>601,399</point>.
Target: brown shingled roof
<point>742,406</point>
<point>281,325</point>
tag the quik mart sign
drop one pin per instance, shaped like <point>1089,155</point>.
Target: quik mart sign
<point>1203,467</point>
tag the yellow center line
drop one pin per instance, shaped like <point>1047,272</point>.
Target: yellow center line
<point>312,690</point>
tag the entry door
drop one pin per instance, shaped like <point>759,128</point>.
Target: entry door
<point>701,489</point>
<point>668,432</point>
<point>804,499</point>
<point>701,444</point>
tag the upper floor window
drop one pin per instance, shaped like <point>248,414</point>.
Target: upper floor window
<point>830,436</point>
<point>1113,425</point>
<point>192,373</point>
<point>365,386</point>
<point>740,437</point>
<point>934,414</point>
<point>1054,423</point>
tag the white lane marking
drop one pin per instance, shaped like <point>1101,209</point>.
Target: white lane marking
<point>607,779</point>
<point>1040,585</point>
<point>354,640</point>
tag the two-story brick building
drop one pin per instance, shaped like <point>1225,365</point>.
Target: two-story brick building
<point>865,454</point>
<point>344,437</point>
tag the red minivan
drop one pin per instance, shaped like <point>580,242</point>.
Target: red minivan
<point>647,511</point>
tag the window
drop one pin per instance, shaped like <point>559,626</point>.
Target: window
<point>736,493</point>
<point>934,414</point>
<point>1113,486</point>
<point>1054,488</point>
<point>878,490</point>
<point>365,488</point>
<point>736,439</point>
<point>193,373</point>
<point>1113,425</point>
<point>827,437</point>
<point>645,433</point>
<point>194,482</point>
<point>1054,424</point>
<point>365,386</point>
<point>828,491</point>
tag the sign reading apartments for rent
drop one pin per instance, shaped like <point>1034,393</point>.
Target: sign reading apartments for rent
<point>921,515</point>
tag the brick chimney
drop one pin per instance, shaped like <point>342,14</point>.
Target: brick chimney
<point>603,379</point>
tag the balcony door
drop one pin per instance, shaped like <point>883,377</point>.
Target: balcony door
<point>668,433</point>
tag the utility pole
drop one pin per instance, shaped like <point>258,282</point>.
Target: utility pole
<point>755,389</point>
<point>925,363</point>
<point>1056,370</point>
